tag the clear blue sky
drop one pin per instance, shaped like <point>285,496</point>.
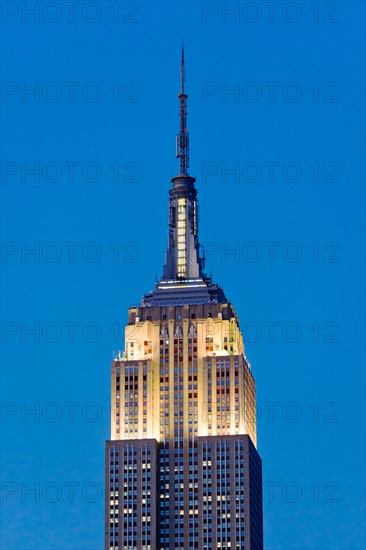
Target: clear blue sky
<point>308,78</point>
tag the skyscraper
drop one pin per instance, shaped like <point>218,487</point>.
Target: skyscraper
<point>182,469</point>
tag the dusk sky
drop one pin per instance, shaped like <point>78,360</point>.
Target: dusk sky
<point>276,121</point>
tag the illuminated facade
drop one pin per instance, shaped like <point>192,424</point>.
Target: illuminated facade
<point>182,469</point>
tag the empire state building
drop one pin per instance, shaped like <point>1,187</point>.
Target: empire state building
<point>182,469</point>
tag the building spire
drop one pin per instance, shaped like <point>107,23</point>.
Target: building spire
<point>182,71</point>
<point>183,280</point>
<point>182,140</point>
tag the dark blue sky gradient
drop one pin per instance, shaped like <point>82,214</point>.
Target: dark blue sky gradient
<point>312,445</point>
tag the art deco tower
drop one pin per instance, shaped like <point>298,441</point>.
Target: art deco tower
<point>182,469</point>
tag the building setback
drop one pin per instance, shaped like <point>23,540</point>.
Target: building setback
<point>182,468</point>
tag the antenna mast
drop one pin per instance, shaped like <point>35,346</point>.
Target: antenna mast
<point>182,140</point>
